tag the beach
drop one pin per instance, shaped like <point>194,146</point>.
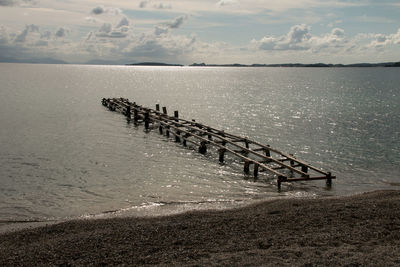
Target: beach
<point>363,229</point>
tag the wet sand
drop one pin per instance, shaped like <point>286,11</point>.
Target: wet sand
<point>346,231</point>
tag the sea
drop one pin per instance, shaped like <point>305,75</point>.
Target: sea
<point>65,156</point>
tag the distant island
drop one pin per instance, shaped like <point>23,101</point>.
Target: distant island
<point>286,65</point>
<point>154,64</point>
<point>315,65</point>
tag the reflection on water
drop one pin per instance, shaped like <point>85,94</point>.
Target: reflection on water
<point>64,155</point>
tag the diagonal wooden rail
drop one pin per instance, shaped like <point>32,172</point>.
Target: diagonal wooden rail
<point>284,166</point>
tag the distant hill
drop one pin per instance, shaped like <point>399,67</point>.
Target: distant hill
<point>291,65</point>
<point>154,64</point>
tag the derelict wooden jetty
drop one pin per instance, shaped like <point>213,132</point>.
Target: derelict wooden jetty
<point>261,157</point>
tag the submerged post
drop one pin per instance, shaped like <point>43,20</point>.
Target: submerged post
<point>202,147</point>
<point>256,170</point>
<point>135,115</point>
<point>128,112</point>
<point>146,119</point>
<point>177,138</point>
<point>246,167</point>
<point>329,179</point>
<point>221,155</point>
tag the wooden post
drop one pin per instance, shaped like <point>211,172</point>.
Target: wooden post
<point>135,115</point>
<point>256,170</point>
<point>164,110</point>
<point>268,152</point>
<point>158,107</point>
<point>280,180</point>
<point>128,112</point>
<point>246,167</point>
<point>177,138</point>
<point>176,115</point>
<point>329,179</point>
<point>247,143</point>
<point>146,119</point>
<point>221,155</point>
<point>304,168</point>
<point>160,129</point>
<point>167,131</point>
<point>202,147</point>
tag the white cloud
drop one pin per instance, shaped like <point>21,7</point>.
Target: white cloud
<point>108,31</point>
<point>296,39</point>
<point>4,38</point>
<point>381,41</point>
<point>226,2</point>
<point>21,38</point>
<point>300,38</point>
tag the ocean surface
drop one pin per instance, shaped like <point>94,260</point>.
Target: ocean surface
<point>63,155</point>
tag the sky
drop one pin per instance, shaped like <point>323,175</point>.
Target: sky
<point>196,31</point>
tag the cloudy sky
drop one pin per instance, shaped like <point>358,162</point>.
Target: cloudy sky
<point>211,31</point>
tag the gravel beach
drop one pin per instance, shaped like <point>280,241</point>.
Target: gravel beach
<point>342,231</point>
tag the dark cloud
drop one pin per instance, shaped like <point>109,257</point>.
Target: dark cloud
<point>61,32</point>
<point>108,10</point>
<point>162,6</point>
<point>226,2</point>
<point>177,22</point>
<point>7,2</point>
<point>13,2</point>
<point>143,4</point>
<point>98,10</point>
<point>124,22</point>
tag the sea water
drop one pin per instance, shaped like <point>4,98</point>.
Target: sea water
<point>64,155</point>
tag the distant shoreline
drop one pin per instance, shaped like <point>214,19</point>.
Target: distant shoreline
<point>286,65</point>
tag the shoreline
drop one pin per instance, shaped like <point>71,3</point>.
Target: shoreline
<point>362,229</point>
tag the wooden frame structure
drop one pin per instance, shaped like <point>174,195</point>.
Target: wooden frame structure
<point>284,166</point>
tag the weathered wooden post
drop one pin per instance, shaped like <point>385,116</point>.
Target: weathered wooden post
<point>135,115</point>
<point>256,170</point>
<point>177,134</point>
<point>167,131</point>
<point>280,180</point>
<point>158,107</point>
<point>164,110</point>
<point>246,167</point>
<point>267,152</point>
<point>209,133</point>
<point>202,147</point>
<point>146,119</point>
<point>329,179</point>
<point>221,154</point>
<point>128,112</point>
<point>304,168</point>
